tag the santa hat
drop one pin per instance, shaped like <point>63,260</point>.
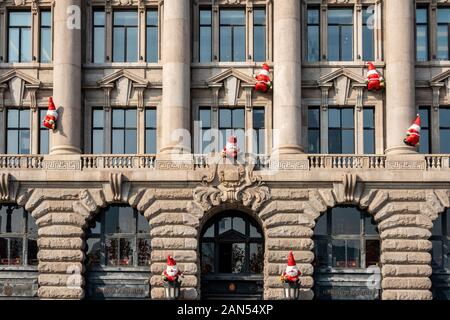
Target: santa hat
<point>370,66</point>
<point>266,67</point>
<point>415,127</point>
<point>171,261</point>
<point>291,260</point>
<point>51,105</point>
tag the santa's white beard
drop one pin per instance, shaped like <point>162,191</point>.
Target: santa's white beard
<point>292,271</point>
<point>172,271</point>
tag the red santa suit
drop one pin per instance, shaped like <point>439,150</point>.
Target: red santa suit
<point>375,80</point>
<point>172,272</point>
<point>292,273</point>
<point>52,115</point>
<point>263,82</point>
<point>413,133</point>
<point>231,149</point>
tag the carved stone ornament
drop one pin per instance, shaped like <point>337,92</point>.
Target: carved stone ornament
<point>231,183</point>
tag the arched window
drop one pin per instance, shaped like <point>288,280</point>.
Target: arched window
<point>346,244</point>
<point>118,254</point>
<point>441,256</point>
<point>18,253</point>
<point>232,257</point>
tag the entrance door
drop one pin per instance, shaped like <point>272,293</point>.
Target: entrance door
<point>232,258</point>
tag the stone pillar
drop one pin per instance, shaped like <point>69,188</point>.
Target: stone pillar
<point>67,77</point>
<point>176,78</point>
<point>400,76</point>
<point>287,97</point>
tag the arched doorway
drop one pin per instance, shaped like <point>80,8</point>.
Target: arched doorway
<point>118,255</point>
<point>347,256</point>
<point>232,258</point>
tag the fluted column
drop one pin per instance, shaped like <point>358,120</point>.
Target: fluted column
<point>176,77</point>
<point>400,77</point>
<point>67,77</point>
<point>287,97</point>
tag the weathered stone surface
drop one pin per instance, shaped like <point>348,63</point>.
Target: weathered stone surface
<point>406,295</point>
<point>444,197</point>
<point>60,267</point>
<point>395,208</point>
<point>88,201</point>
<point>405,245</point>
<point>165,206</point>
<point>60,255</point>
<point>61,231</point>
<point>289,194</point>
<point>187,281</point>
<point>328,197</point>
<point>405,258</point>
<point>407,195</point>
<point>173,231</point>
<point>316,201</point>
<point>47,292</point>
<point>60,280</point>
<point>300,256</point>
<point>61,218</point>
<point>170,194</point>
<point>60,243</point>
<point>185,293</point>
<point>274,282</point>
<point>282,219</point>
<point>173,218</point>
<point>146,201</point>
<point>174,243</point>
<point>278,294</point>
<point>276,269</point>
<point>186,268</point>
<point>423,283</point>
<point>405,233</point>
<point>135,196</point>
<point>378,201</point>
<point>435,205</point>
<point>406,220</point>
<point>290,232</point>
<point>179,255</point>
<point>406,270</point>
<point>367,198</point>
<point>290,244</point>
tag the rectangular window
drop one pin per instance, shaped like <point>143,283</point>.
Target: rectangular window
<point>259,34</point>
<point>150,131</point>
<point>19,36</point>
<point>152,36</point>
<point>425,137</point>
<point>98,39</point>
<point>313,34</point>
<point>340,34</point>
<point>443,21</point>
<point>205,48</point>
<point>98,125</point>
<point>232,122</point>
<point>18,131</point>
<point>444,129</point>
<point>368,34</point>
<point>46,37</point>
<point>124,131</point>
<point>369,130</point>
<point>314,130</point>
<point>232,35</point>
<point>205,136</point>
<point>125,41</point>
<point>422,34</point>
<point>341,130</point>
<point>259,131</point>
<point>44,135</point>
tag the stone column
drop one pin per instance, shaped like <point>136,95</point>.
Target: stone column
<point>287,97</point>
<point>400,77</point>
<point>67,77</point>
<point>176,78</point>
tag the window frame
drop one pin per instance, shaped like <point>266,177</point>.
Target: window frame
<point>20,28</point>
<point>371,129</point>
<point>125,40</point>
<point>256,25</point>
<point>232,26</point>
<point>41,29</point>
<point>19,129</point>
<point>153,27</point>
<point>442,127</point>
<point>41,115</point>
<point>427,26</point>
<point>444,238</point>
<point>341,128</point>
<point>308,24</point>
<point>200,26</point>
<point>93,28</point>
<point>148,127</point>
<point>124,128</point>
<point>340,26</point>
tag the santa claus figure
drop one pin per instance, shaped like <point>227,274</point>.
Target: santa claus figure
<point>51,116</point>
<point>172,272</point>
<point>375,80</point>
<point>231,149</point>
<point>292,273</point>
<point>413,133</point>
<point>263,82</point>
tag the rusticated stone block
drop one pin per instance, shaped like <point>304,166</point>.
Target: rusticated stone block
<point>406,220</point>
<point>61,267</point>
<point>311,211</point>
<point>60,243</point>
<point>407,195</point>
<point>283,219</point>
<point>135,196</point>
<point>405,258</point>
<point>174,243</point>
<point>275,282</point>
<point>278,294</point>
<point>47,292</point>
<point>61,218</point>
<point>276,269</point>
<point>60,255</point>
<point>180,255</point>
<point>423,283</point>
<point>395,208</point>
<point>60,280</point>
<point>174,218</point>
<point>443,196</point>
<point>269,210</point>
<point>166,206</point>
<point>173,231</point>
<point>290,232</point>
<point>187,281</point>
<point>405,245</point>
<point>328,197</point>
<point>300,256</point>
<point>185,293</point>
<point>170,194</point>
<point>186,268</point>
<point>290,244</point>
<point>406,295</point>
<point>406,270</point>
<point>406,233</point>
<point>316,201</point>
<point>378,201</point>
<point>61,231</point>
<point>146,201</point>
<point>289,194</point>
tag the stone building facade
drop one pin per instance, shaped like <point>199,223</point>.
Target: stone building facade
<point>282,188</point>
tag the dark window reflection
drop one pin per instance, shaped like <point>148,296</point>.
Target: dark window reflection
<point>206,141</point>
<point>98,131</point>
<point>422,34</point>
<point>444,129</point>
<point>205,35</point>
<point>368,34</point>
<point>18,131</point>
<point>341,130</point>
<point>19,36</point>
<point>259,131</point>
<point>232,122</point>
<point>125,41</point>
<point>232,35</point>
<point>259,34</point>
<point>369,130</point>
<point>443,20</point>
<point>440,240</point>
<point>313,34</point>
<point>98,39</point>
<point>124,131</point>
<point>46,37</point>
<point>340,34</point>
<point>152,36</point>
<point>314,130</point>
<point>425,130</point>
<point>150,131</point>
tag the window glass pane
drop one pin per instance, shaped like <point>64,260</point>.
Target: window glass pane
<point>225,118</point>
<point>239,225</point>
<point>314,118</point>
<point>24,119</point>
<point>448,222</point>
<point>338,253</point>
<point>132,45</point>
<point>12,142</point>
<point>333,43</point>
<point>256,258</point>
<point>226,44</point>
<point>259,43</point>
<point>130,141</point>
<point>205,44</point>
<point>119,44</point>
<point>205,118</point>
<point>369,121</point>
<point>97,141</point>
<point>313,43</point>
<point>99,45</point>
<point>11,220</point>
<point>15,251</point>
<point>112,249</point>
<point>369,141</point>
<point>119,220</point>
<point>238,257</point>
<point>150,141</point>
<point>232,17</point>
<point>353,255</point>
<point>442,42</point>
<point>32,227</point>
<point>238,118</point>
<point>126,252</point>
<point>131,118</point>
<point>13,45</point>
<point>345,221</point>
<point>348,141</point>
<point>152,44</point>
<point>258,118</point>
<point>370,225</point>
<point>443,15</point>
<point>347,43</point>
<point>368,44</point>
<point>259,16</point>
<point>334,141</point>
<point>209,233</point>
<point>321,225</point>
<point>313,16</point>
<point>3,251</point>
<point>24,143</point>
<point>207,258</point>
<point>20,19</point>
<point>347,117</point>
<point>321,253</point>
<point>46,45</point>
<point>205,16</point>
<point>99,18</point>
<point>334,118</point>
<point>340,16</point>
<point>445,140</point>
<point>436,255</point>
<point>125,18</point>
<point>239,44</point>
<point>314,141</point>
<point>144,252</point>
<point>25,50</point>
<point>118,118</point>
<point>372,252</point>
<point>32,252</point>
<point>422,42</point>
<point>254,233</point>
<point>437,226</point>
<point>150,118</point>
<point>93,251</point>
<point>224,225</point>
<point>97,118</point>
<point>444,117</point>
<point>142,224</point>
<point>95,225</point>
<point>152,18</point>
<point>13,118</point>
